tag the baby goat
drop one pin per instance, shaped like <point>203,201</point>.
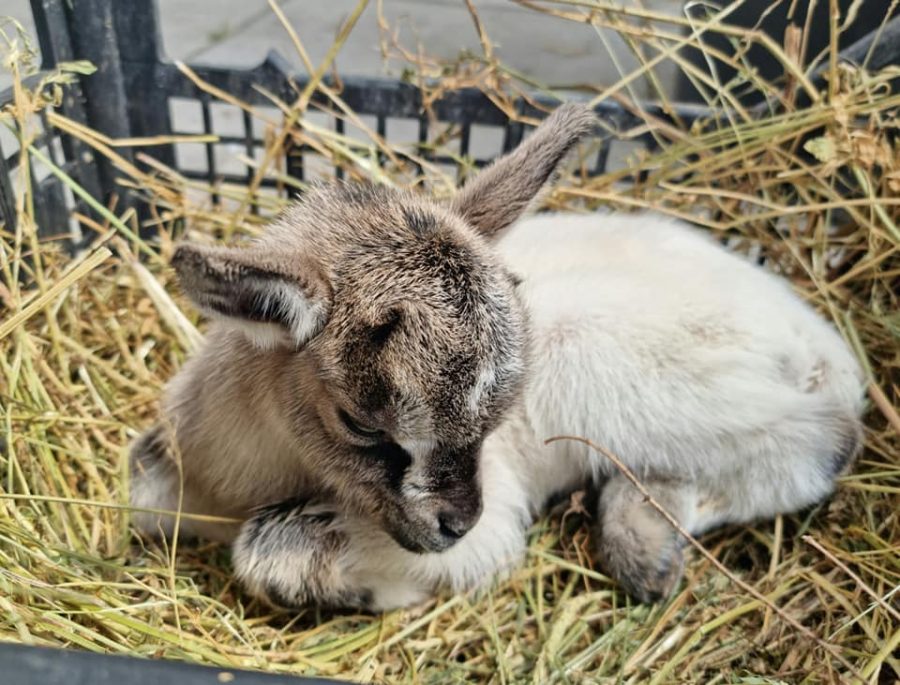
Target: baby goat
<point>383,370</point>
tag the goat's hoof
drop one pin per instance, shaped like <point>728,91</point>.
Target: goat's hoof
<point>654,578</point>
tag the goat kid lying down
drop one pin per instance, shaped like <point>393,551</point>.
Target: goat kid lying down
<point>383,369</point>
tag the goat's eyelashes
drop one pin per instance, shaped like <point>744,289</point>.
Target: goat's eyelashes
<point>358,429</point>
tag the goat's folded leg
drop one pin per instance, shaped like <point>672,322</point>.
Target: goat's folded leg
<point>300,553</point>
<point>637,546</point>
<point>295,553</point>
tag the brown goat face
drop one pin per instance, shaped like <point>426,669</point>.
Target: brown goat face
<point>422,355</point>
<point>406,337</point>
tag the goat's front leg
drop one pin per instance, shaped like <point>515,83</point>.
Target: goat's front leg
<point>300,553</point>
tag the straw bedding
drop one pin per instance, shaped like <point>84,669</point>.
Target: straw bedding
<point>87,344</point>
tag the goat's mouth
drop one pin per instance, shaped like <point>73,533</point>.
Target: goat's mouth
<point>432,534</point>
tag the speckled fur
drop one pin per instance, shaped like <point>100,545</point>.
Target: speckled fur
<point>467,344</point>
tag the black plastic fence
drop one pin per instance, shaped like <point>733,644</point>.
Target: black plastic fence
<point>134,88</point>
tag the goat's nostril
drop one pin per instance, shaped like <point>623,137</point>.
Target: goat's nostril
<point>452,526</point>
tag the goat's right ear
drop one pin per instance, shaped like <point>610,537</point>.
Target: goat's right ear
<point>274,299</point>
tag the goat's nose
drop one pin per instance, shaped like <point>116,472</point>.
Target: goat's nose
<point>454,524</point>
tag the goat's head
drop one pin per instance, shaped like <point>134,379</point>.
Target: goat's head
<point>412,327</point>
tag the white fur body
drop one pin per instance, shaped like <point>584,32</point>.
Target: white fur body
<point>684,359</point>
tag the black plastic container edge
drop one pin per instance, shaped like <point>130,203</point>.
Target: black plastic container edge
<point>25,665</point>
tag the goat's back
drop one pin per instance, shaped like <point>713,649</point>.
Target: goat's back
<point>677,354</point>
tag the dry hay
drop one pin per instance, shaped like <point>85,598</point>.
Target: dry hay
<point>88,344</point>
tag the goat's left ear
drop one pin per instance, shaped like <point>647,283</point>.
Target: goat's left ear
<point>275,299</point>
<point>499,195</point>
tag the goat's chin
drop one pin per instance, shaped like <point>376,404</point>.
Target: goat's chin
<point>425,545</point>
<point>420,542</point>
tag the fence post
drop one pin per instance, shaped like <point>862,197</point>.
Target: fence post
<point>54,38</point>
<point>90,26</point>
<point>140,46</point>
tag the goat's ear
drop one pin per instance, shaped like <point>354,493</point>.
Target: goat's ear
<point>276,300</point>
<point>499,195</point>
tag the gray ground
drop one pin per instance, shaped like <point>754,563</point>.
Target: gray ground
<point>240,33</point>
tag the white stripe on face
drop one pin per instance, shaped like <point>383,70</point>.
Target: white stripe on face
<point>418,448</point>
<point>415,484</point>
<point>486,378</point>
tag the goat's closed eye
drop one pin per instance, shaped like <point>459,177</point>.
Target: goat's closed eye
<point>380,333</point>
<point>358,428</point>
